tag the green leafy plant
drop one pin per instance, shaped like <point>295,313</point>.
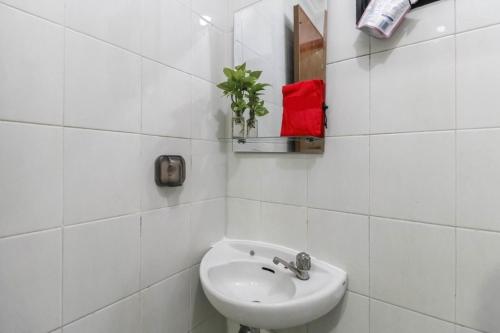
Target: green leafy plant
<point>245,92</point>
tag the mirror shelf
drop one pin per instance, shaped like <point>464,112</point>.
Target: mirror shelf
<point>286,41</point>
<point>300,145</point>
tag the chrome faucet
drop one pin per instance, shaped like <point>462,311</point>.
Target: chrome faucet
<point>302,268</point>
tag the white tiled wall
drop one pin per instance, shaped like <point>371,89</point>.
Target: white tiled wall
<point>91,92</point>
<point>405,198</point>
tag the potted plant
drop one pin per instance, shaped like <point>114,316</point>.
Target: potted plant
<point>245,92</point>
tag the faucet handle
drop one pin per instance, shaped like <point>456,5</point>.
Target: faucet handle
<point>303,261</point>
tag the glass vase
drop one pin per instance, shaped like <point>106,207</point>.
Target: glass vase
<point>238,127</point>
<point>252,128</point>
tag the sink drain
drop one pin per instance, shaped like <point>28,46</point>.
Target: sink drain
<point>255,301</point>
<point>268,269</point>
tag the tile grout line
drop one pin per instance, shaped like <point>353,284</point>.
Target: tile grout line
<point>141,156</point>
<point>423,41</point>
<point>454,324</point>
<point>398,219</point>
<point>138,293</point>
<point>307,179</point>
<point>64,23</point>
<point>228,140</point>
<point>63,230</point>
<point>104,219</point>
<point>138,54</point>
<point>308,226</point>
<point>369,185</point>
<point>101,130</point>
<point>456,171</point>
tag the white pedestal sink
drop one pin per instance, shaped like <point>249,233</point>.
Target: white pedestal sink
<point>242,283</point>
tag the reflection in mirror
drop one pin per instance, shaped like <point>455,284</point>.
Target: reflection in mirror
<point>309,48</point>
<point>286,40</point>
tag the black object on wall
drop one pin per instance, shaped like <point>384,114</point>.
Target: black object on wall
<point>362,4</point>
<point>170,170</point>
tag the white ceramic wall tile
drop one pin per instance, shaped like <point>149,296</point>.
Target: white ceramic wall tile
<point>254,61</point>
<point>300,329</point>
<point>431,21</point>
<point>342,240</point>
<point>101,264</point>
<point>186,2</point>
<point>168,24</point>
<point>478,276</point>
<point>208,224</point>
<point>216,324</point>
<point>461,329</point>
<point>30,282</point>
<point>243,219</point>
<point>101,174</point>
<point>263,32</point>
<point>237,52</point>
<point>270,125</point>
<point>473,14</point>
<point>50,9</point>
<point>31,68</point>
<point>229,47</point>
<point>30,178</point>
<point>350,316</point>
<point>165,243</point>
<point>412,88</point>
<point>478,162</point>
<point>157,197</point>
<point>338,180</point>
<point>102,85</point>
<point>209,111</point>
<point>216,12</point>
<point>348,97</point>
<point>166,100</point>
<point>115,21</point>
<point>284,180</point>
<point>387,318</point>
<point>208,50</point>
<point>413,176</point>
<point>243,176</point>
<point>413,265</point>
<point>239,4</point>
<point>344,41</point>
<point>200,308</point>
<point>253,31</point>
<point>232,327</point>
<point>105,80</point>
<point>284,225</point>
<point>209,170</point>
<point>478,55</point>
<point>165,306</point>
<point>121,317</point>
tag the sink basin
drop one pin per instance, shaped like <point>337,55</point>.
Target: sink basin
<point>242,283</point>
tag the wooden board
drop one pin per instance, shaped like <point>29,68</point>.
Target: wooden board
<point>309,48</point>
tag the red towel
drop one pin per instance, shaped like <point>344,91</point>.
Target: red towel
<point>303,109</point>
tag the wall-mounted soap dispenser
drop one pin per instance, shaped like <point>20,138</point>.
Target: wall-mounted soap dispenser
<point>170,170</point>
<point>381,18</point>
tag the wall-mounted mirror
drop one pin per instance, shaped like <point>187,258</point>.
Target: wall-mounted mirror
<point>286,41</point>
